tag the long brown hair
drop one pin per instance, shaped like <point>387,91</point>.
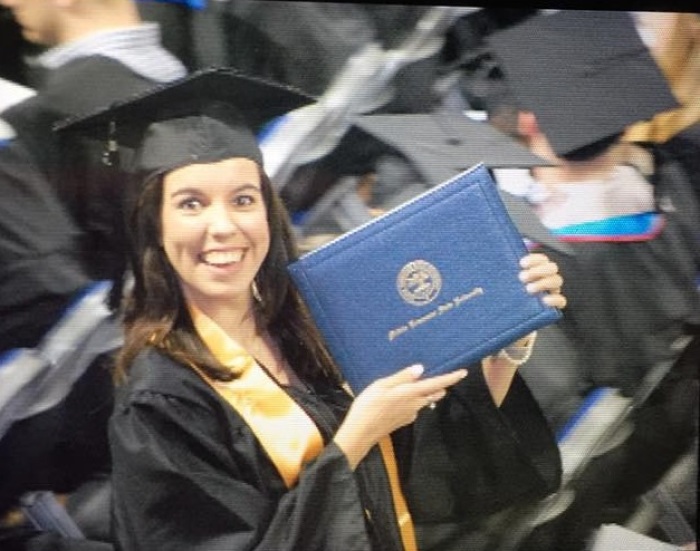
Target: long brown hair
<point>155,312</point>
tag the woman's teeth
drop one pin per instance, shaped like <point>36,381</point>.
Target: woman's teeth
<point>217,258</point>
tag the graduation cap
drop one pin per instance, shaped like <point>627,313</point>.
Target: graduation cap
<point>432,148</point>
<point>207,116</point>
<point>436,147</point>
<point>444,143</point>
<point>586,75</point>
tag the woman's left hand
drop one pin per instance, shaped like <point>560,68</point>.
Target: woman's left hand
<point>540,274</point>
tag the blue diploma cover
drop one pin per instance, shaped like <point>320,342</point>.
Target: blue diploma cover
<point>433,281</point>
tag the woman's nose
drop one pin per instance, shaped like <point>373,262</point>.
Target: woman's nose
<point>222,220</point>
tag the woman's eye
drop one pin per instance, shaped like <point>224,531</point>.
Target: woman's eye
<point>190,203</point>
<point>244,200</point>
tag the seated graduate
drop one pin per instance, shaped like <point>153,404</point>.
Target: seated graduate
<point>629,213</point>
<point>233,428</point>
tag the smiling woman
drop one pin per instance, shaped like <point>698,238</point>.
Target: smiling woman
<point>215,231</point>
<point>235,430</point>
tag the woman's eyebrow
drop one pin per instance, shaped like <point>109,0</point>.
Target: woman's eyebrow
<point>199,191</point>
<point>245,186</point>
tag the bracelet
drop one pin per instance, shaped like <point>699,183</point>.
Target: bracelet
<point>518,355</point>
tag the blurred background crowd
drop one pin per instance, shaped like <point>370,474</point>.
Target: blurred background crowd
<point>589,122</point>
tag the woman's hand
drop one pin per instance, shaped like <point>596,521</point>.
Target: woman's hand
<point>540,274</point>
<point>388,404</point>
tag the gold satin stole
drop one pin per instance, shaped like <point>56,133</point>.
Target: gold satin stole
<point>283,428</point>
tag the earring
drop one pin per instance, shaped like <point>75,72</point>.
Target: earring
<point>256,292</point>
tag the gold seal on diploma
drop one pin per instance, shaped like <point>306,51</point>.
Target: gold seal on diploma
<point>419,282</point>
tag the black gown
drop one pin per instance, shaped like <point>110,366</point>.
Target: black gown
<point>40,267</point>
<point>628,305</point>
<point>58,232</point>
<point>629,302</point>
<point>188,473</point>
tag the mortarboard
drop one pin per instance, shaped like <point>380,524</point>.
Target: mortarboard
<point>433,146</point>
<point>444,143</point>
<point>586,75</point>
<point>438,145</point>
<point>207,116</point>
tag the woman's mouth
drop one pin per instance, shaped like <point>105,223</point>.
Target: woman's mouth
<point>221,258</point>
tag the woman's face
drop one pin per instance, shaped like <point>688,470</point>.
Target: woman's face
<point>214,229</point>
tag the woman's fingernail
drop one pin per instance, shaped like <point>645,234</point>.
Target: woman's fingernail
<point>531,288</point>
<point>417,369</point>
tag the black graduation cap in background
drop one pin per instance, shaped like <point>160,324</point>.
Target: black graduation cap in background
<point>587,75</point>
<point>438,145</point>
<point>207,116</point>
<point>444,143</point>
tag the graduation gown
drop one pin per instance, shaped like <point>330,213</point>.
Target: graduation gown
<point>40,270</point>
<point>188,472</point>
<point>628,302</point>
<point>57,233</point>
